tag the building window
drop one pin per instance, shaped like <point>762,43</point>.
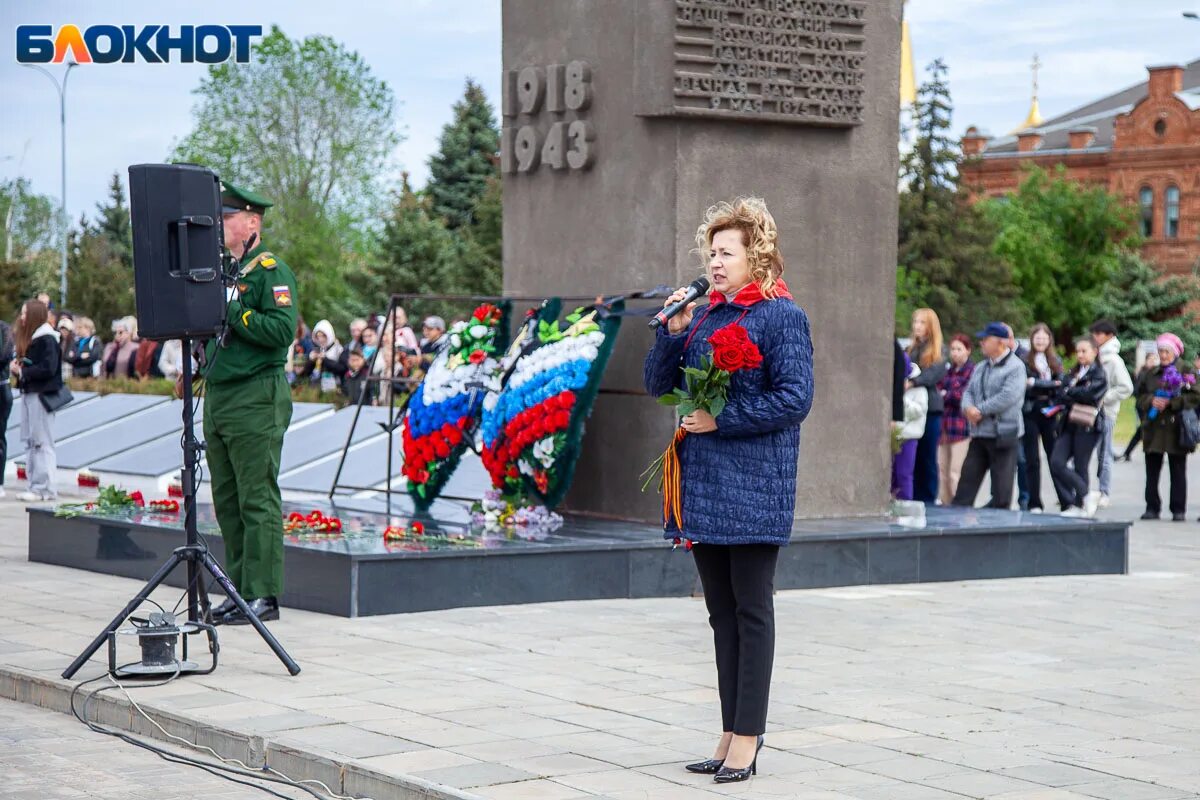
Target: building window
<point>1146,200</point>
<point>1160,128</point>
<point>1172,227</point>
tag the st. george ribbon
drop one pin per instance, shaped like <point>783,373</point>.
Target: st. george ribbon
<point>694,290</point>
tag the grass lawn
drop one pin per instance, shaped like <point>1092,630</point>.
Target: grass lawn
<point>1126,424</point>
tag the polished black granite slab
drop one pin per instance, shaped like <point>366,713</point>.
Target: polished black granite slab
<point>455,563</point>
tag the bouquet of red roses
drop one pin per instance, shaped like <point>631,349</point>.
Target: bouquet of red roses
<point>706,388</point>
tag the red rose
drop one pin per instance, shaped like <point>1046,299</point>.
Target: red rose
<point>752,356</point>
<point>477,357</point>
<point>730,359</point>
<point>732,349</point>
<point>138,500</point>
<point>418,528</point>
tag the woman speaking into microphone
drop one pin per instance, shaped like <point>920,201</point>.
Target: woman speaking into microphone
<point>737,470</point>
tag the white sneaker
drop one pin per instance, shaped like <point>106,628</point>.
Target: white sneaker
<point>1074,511</point>
<point>1090,503</point>
<point>29,497</point>
<point>3,493</point>
<point>1103,503</point>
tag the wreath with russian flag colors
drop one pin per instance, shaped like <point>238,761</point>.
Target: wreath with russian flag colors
<point>532,428</point>
<point>441,415</point>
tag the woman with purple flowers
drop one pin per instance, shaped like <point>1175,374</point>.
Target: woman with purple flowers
<point>1164,394</point>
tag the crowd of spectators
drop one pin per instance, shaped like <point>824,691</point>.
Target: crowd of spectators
<point>358,365</point>
<point>998,416</point>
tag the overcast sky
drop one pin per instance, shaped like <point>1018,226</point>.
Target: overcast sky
<point>121,114</point>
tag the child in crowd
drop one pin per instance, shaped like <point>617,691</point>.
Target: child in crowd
<point>916,406</point>
<point>354,382</point>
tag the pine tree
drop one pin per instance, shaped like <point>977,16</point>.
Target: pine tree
<point>1142,304</point>
<point>945,258</point>
<point>466,159</point>
<point>480,269</point>
<point>418,254</point>
<point>113,222</point>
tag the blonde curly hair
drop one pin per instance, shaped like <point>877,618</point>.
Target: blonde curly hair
<point>759,235</point>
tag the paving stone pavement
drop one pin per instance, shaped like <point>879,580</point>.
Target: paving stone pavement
<point>50,756</point>
<point>1057,688</point>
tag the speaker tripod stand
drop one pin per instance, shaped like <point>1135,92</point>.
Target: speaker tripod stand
<point>195,553</point>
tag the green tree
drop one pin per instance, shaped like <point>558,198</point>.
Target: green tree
<point>29,252</point>
<point>466,159</point>
<point>1063,241</point>
<point>945,257</point>
<point>1143,304</point>
<point>100,261</point>
<point>309,125</point>
<point>479,253</point>
<point>29,220</point>
<point>418,255</point>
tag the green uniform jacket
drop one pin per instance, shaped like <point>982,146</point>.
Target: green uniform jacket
<point>262,321</point>
<point>1161,434</point>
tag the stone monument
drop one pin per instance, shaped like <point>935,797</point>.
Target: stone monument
<point>623,120</point>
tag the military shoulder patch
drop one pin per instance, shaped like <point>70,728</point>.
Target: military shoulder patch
<point>283,295</point>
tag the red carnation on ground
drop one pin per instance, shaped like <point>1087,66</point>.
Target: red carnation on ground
<point>477,357</point>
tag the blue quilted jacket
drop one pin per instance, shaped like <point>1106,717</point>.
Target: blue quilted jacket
<point>739,481</point>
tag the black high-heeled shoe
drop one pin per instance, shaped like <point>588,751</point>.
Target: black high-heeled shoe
<point>710,767</point>
<point>730,775</point>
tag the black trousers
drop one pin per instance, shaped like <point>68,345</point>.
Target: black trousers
<point>1137,437</point>
<point>739,584</point>
<point>1039,427</point>
<point>1075,445</point>
<point>6,404</point>
<point>925,472</point>
<point>997,455</point>
<point>1178,469</point>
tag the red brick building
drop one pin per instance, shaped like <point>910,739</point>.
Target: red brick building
<point>1142,143</point>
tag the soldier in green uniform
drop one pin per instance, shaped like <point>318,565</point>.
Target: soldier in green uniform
<point>247,408</point>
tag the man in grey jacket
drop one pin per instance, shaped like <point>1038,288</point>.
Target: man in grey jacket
<point>992,405</point>
<point>1120,386</point>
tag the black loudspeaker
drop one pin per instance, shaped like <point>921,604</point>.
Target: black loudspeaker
<point>178,245</point>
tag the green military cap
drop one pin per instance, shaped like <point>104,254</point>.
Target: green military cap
<point>234,199</point>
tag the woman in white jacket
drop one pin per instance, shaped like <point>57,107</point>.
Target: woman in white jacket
<point>916,409</point>
<point>1120,386</point>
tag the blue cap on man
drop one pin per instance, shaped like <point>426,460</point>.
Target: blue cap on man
<point>993,329</point>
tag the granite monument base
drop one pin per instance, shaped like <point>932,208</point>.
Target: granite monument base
<point>359,573</point>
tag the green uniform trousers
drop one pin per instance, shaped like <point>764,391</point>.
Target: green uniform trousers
<point>244,423</point>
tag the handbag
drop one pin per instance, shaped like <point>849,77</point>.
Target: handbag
<point>1084,415</point>
<point>1189,429</point>
<point>53,401</point>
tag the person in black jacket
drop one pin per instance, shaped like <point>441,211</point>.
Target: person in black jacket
<point>7,351</point>
<point>39,367</point>
<point>1044,374</point>
<point>1083,386</point>
<point>86,351</point>
<point>928,351</point>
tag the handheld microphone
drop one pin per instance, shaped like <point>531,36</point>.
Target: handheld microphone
<point>694,290</point>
